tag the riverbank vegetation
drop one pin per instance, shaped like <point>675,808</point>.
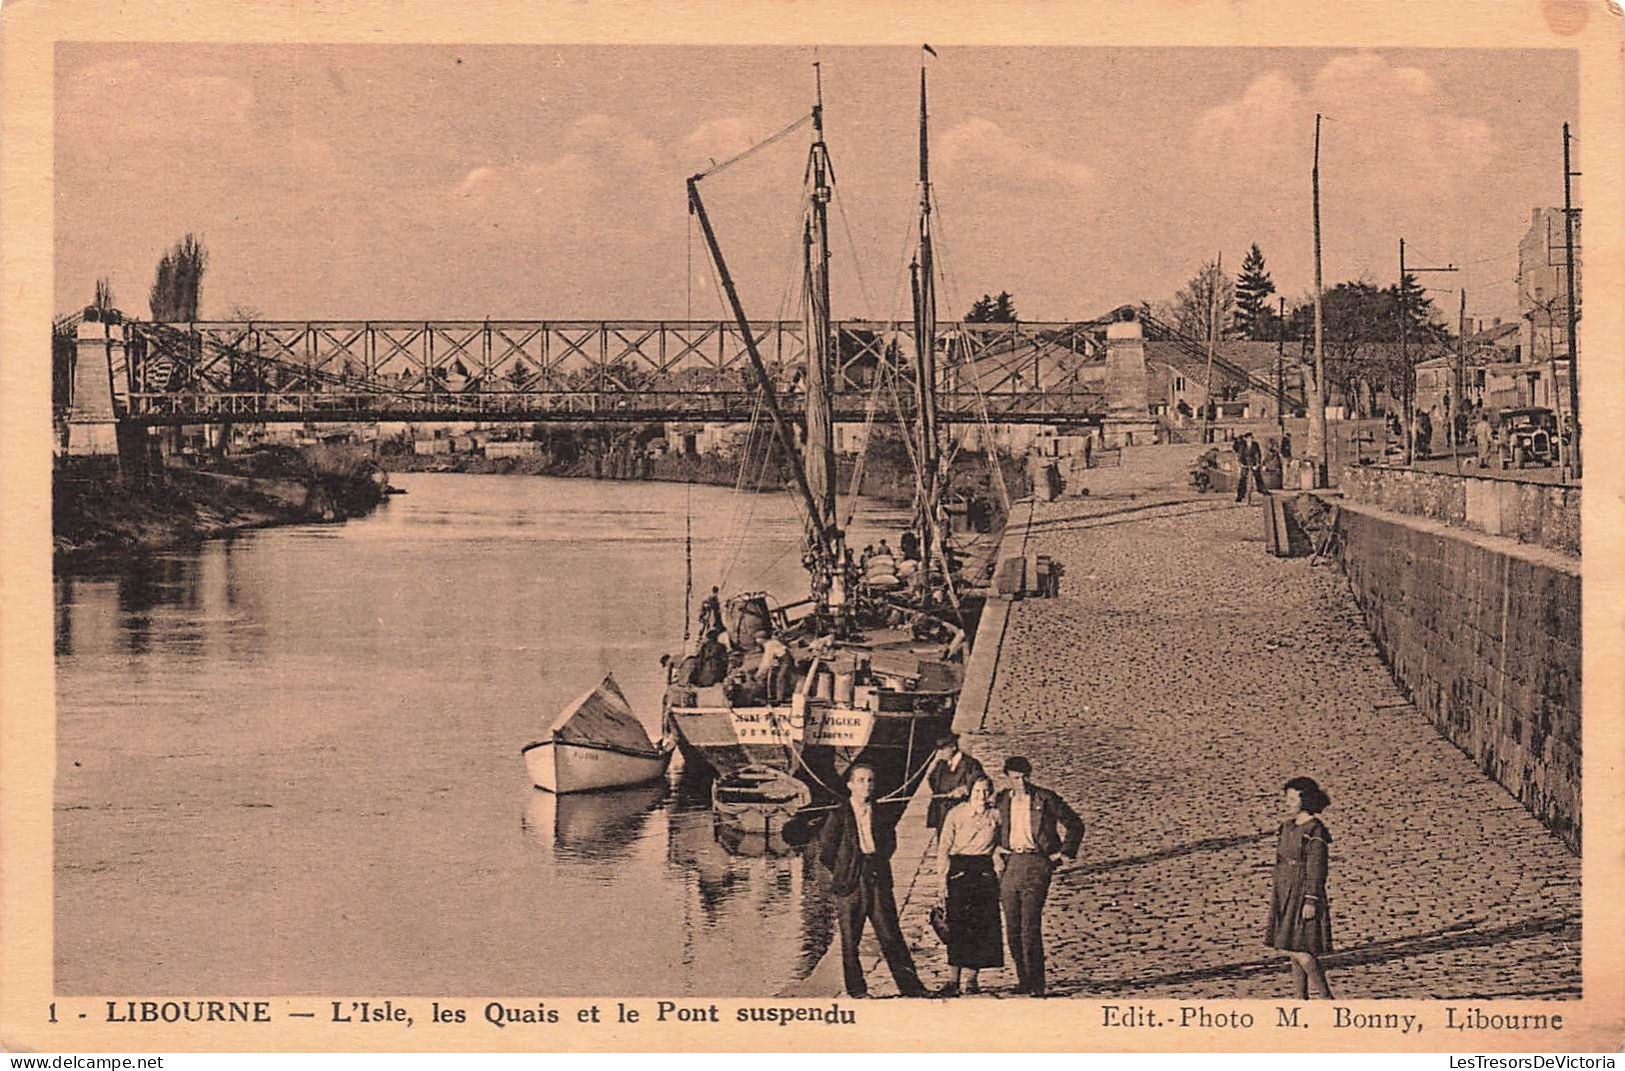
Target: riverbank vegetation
<point>100,515</point>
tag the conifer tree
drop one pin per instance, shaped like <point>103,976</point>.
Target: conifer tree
<point>1254,318</point>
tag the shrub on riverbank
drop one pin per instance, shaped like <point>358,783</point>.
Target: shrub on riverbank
<point>99,514</point>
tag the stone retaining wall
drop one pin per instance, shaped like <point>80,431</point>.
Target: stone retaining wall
<point>1485,637</point>
<point>1542,514</point>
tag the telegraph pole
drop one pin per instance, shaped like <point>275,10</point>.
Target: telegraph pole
<point>1212,330</point>
<point>1405,359</point>
<point>1568,248</point>
<point>1407,369</point>
<point>1317,407</point>
<point>1461,379</point>
<point>1280,368</point>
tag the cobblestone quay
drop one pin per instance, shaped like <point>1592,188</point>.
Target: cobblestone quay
<point>1180,678</point>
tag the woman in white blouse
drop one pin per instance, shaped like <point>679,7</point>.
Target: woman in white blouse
<point>970,887</point>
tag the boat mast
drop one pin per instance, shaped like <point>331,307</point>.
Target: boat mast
<point>923,274</point>
<point>781,427</point>
<point>820,456</point>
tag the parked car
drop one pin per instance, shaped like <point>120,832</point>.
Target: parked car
<point>1527,437</point>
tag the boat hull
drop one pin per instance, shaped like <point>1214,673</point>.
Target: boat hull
<point>817,745</point>
<point>564,767</point>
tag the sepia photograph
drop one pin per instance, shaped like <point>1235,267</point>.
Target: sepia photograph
<point>766,532</point>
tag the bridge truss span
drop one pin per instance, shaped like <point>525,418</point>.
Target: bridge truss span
<point>582,370</point>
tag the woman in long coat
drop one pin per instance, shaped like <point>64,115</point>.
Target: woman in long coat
<point>1300,924</point>
<point>970,887</point>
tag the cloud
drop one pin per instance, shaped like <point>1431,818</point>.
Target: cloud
<point>1262,111</point>
<point>597,154</point>
<point>128,101</point>
<point>982,146</point>
<point>1377,115</point>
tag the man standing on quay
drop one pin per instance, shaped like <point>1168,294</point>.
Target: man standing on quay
<point>856,847</point>
<point>952,774</point>
<point>1034,848</point>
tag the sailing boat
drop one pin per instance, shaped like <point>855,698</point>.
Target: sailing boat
<point>857,671</point>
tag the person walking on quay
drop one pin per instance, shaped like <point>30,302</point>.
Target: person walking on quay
<point>1300,924</point>
<point>1483,438</point>
<point>1255,465</point>
<point>970,887</point>
<point>1239,445</point>
<point>950,779</point>
<point>1033,847</point>
<point>856,846</point>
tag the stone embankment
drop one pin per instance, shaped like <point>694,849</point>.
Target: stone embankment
<point>1179,679</point>
<point>1471,589</point>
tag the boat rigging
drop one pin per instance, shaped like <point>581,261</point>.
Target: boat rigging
<point>864,675</point>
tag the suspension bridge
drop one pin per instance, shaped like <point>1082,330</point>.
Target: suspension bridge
<point>578,371</point>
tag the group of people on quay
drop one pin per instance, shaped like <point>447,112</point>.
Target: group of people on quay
<point>1258,466</point>
<point>998,850</point>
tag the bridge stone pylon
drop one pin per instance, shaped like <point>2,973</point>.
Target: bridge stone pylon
<point>93,416</point>
<point>1128,418</point>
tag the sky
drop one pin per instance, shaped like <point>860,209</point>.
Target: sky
<point>534,182</point>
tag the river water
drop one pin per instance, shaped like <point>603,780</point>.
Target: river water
<point>288,762</point>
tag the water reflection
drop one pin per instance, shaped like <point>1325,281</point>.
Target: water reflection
<point>592,825</point>
<point>366,687</point>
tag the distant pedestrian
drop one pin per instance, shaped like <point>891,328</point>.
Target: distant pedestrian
<point>1483,438</point>
<point>856,846</point>
<point>1300,923</point>
<point>1037,832</point>
<point>970,887</point>
<point>910,546</point>
<point>1255,465</point>
<point>1286,446</point>
<point>1239,447</point>
<point>952,774</point>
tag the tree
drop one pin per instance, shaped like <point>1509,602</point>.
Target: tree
<point>1194,308</point>
<point>1254,318</point>
<point>1362,332</point>
<point>103,302</point>
<point>178,282</point>
<point>993,309</point>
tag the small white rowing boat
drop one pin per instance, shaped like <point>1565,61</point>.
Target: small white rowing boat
<point>597,742</point>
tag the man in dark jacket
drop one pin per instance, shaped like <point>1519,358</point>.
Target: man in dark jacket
<point>1255,465</point>
<point>1239,446</point>
<point>1033,848</point>
<point>856,846</point>
<point>950,779</point>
